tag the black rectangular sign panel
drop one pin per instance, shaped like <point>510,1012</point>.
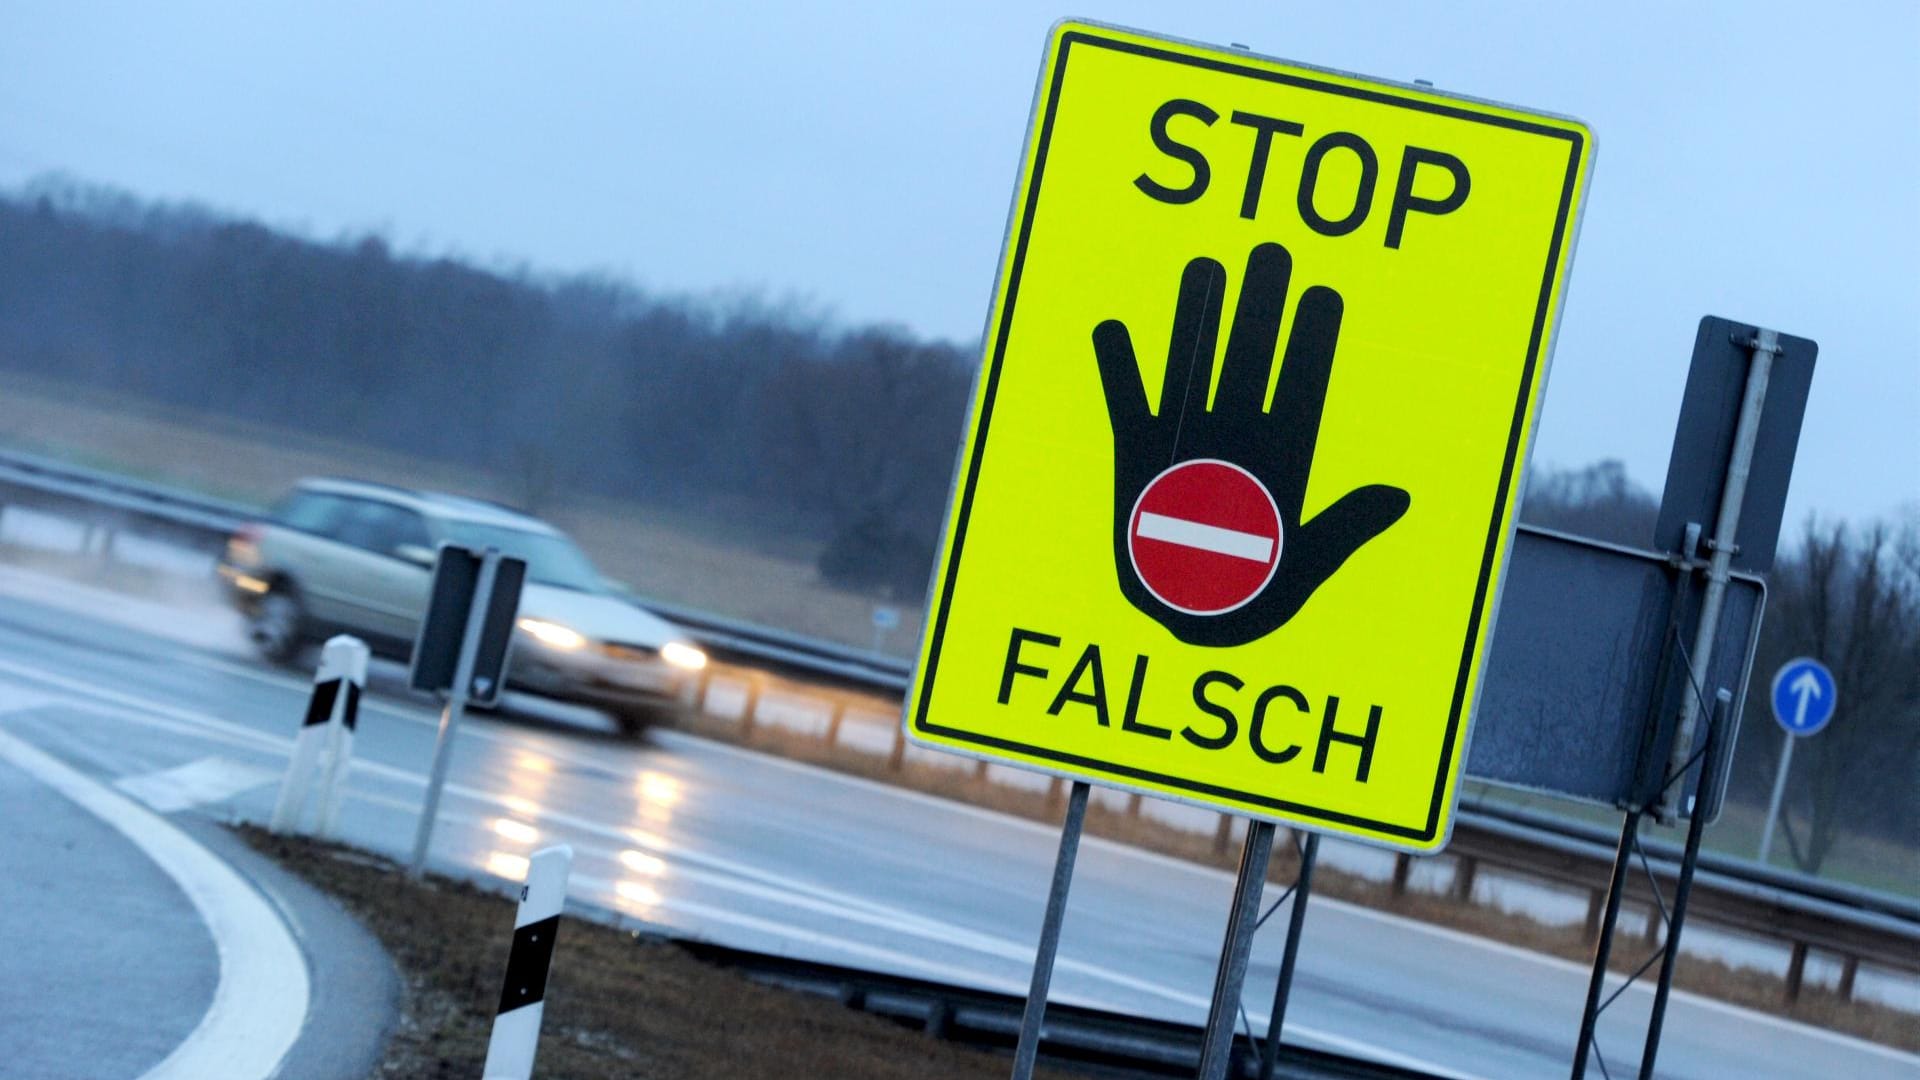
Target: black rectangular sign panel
<point>1703,441</point>
<point>436,652</point>
<point>1581,689</point>
<point>496,632</point>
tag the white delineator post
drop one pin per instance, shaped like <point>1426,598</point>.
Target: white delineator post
<point>325,742</point>
<point>516,1025</point>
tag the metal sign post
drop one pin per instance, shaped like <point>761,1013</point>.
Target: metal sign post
<point>1773,801</point>
<point>1755,435</point>
<point>1765,344</point>
<point>1216,1050</point>
<point>1036,1010</point>
<point>1717,724</point>
<point>1296,922</point>
<point>456,705</point>
<point>1668,954</point>
<point>885,621</point>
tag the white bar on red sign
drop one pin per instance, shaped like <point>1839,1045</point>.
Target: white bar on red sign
<point>1212,538</point>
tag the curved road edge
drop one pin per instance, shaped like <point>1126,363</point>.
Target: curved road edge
<point>260,1004</point>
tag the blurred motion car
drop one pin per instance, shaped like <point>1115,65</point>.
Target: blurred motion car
<point>345,556</point>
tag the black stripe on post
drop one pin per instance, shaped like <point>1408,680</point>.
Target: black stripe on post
<point>320,706</point>
<point>527,964</point>
<point>352,715</point>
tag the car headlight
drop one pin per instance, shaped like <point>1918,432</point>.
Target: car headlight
<point>552,634</point>
<point>682,655</point>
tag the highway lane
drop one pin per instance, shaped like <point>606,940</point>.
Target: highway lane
<point>758,852</point>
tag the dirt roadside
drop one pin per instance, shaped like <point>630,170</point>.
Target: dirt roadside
<point>619,1005</point>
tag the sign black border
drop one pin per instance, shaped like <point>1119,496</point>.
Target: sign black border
<point>976,450</point>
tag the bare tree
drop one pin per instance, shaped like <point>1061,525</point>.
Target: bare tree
<point>873,431</point>
<point>1598,500</point>
<point>1850,598</point>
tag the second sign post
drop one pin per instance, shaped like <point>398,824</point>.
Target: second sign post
<point>461,652</point>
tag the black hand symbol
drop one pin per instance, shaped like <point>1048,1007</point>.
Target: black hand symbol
<point>1276,447</point>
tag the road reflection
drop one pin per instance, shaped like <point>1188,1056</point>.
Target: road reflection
<point>517,831</point>
<point>638,898</point>
<point>505,864</point>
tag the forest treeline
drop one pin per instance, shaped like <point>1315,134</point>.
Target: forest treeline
<point>764,414</point>
<point>771,420</point>
<point>767,416</point>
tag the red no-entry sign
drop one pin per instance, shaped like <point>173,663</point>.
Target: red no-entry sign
<point>1205,537</point>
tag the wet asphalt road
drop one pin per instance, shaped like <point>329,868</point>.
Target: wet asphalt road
<point>106,967</point>
<point>714,842</point>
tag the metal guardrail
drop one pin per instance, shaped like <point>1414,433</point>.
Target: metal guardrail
<point>121,503</point>
<point>1851,924</point>
<point>117,501</point>
<point>1763,882</point>
<point>794,652</point>
<point>1805,910</point>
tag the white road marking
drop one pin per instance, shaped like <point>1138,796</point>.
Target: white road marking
<point>261,1000</point>
<point>17,698</point>
<point>208,780</point>
<point>149,712</point>
<point>1196,534</point>
<point>83,749</point>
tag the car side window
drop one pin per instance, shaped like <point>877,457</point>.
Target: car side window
<point>381,527</point>
<point>410,529</point>
<point>368,526</point>
<point>311,512</point>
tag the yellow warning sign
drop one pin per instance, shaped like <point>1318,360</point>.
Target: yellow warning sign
<point>1239,480</point>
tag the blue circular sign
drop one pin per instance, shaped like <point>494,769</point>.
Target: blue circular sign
<point>1803,696</point>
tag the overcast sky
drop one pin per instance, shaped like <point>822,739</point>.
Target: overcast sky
<point>1756,160</point>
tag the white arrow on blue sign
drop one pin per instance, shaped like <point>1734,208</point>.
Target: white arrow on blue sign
<point>1804,695</point>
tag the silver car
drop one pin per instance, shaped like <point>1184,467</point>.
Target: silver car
<point>341,556</point>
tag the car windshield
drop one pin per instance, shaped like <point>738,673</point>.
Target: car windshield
<point>551,560</point>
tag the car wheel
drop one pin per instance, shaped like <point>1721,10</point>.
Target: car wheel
<point>278,625</point>
<point>635,720</point>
